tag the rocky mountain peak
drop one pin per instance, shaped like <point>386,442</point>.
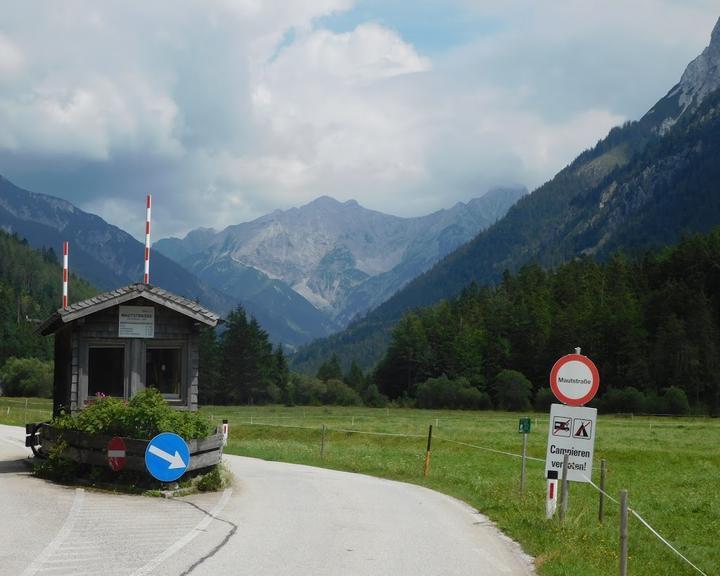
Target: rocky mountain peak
<point>702,75</point>
<point>329,203</point>
<point>337,257</point>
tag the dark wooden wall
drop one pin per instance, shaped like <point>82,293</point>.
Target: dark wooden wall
<point>171,327</point>
<point>63,370</point>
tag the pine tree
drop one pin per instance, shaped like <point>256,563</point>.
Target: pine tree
<point>355,378</point>
<point>330,370</point>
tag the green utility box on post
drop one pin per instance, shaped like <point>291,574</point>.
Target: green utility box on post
<point>524,425</point>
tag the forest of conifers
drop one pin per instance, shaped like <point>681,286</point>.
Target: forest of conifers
<point>652,326</point>
<point>30,289</point>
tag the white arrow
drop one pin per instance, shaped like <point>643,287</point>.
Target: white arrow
<point>176,461</point>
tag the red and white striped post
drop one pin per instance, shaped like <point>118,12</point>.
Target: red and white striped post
<point>551,496</point>
<point>66,249</point>
<point>147,242</point>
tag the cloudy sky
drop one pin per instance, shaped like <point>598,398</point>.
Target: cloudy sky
<point>225,110</point>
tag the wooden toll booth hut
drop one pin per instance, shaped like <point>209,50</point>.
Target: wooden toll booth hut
<point>123,341</point>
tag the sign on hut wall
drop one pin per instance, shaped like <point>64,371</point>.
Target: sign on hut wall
<point>136,322</point>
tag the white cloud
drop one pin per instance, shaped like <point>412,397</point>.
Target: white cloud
<point>368,53</point>
<point>11,58</point>
<point>91,121</point>
<point>228,109</point>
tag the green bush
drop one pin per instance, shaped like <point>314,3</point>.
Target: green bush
<point>372,397</point>
<point>212,481</point>
<point>624,400</point>
<point>654,403</point>
<point>340,394</point>
<point>676,401</point>
<point>305,390</point>
<point>56,467</point>
<point>27,377</point>
<point>146,415</point>
<point>471,398</point>
<point>543,399</point>
<point>512,391</point>
<point>445,393</point>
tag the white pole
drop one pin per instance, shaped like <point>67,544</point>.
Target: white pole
<point>147,241</point>
<point>551,502</point>
<point>66,249</point>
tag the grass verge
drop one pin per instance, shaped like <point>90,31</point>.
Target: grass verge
<point>670,466</point>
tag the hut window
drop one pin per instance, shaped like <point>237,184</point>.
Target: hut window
<point>106,371</point>
<point>163,370</point>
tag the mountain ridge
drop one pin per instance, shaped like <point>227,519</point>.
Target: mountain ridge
<point>641,186</point>
<point>100,252</point>
<point>340,257</point>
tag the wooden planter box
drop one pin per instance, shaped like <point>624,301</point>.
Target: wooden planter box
<point>92,448</point>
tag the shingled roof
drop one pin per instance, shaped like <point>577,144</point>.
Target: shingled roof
<point>105,300</point>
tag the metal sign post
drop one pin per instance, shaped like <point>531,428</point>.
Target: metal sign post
<point>524,428</point>
<point>574,380</point>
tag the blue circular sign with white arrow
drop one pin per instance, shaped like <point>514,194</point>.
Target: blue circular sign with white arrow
<point>167,457</point>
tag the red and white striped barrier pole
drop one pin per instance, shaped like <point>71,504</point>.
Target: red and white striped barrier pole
<point>66,249</point>
<point>147,242</point>
<point>225,432</point>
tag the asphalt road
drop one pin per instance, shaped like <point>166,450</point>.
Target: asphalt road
<point>277,520</point>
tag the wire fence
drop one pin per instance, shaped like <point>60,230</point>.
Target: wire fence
<point>644,523</point>
<point>488,449</point>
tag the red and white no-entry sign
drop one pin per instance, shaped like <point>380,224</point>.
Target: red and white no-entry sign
<point>574,379</point>
<point>116,453</point>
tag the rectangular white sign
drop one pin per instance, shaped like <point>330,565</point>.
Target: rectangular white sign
<point>572,432</point>
<point>136,322</point>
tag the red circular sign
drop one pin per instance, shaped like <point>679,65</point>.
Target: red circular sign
<point>574,379</point>
<point>116,453</point>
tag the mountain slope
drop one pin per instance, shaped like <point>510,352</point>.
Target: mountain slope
<point>644,185</point>
<point>99,252</point>
<point>30,289</point>
<point>109,257</point>
<point>340,258</point>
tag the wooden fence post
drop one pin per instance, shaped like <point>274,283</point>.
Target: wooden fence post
<point>426,468</point>
<point>623,532</point>
<point>601,507</point>
<point>322,443</point>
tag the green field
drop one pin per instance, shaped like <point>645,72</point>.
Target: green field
<point>671,467</point>
<point>18,411</point>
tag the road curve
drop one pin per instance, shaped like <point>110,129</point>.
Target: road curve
<point>278,519</point>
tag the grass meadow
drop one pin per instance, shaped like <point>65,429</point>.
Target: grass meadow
<point>670,466</point>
